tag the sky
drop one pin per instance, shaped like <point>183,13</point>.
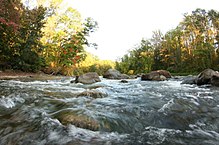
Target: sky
<point>123,23</point>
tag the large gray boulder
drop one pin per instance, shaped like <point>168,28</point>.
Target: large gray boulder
<point>115,74</point>
<point>88,78</point>
<point>159,75</point>
<point>205,77</point>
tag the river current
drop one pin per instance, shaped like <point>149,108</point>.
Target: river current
<point>57,112</point>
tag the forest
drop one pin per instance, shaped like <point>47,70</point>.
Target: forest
<point>46,37</point>
<point>51,38</point>
<point>189,48</point>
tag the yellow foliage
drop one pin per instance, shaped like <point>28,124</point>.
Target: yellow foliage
<point>94,64</point>
<point>131,72</point>
<point>91,60</point>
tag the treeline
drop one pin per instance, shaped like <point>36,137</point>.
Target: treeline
<point>46,35</point>
<point>191,47</point>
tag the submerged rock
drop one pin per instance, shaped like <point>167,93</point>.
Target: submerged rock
<point>115,74</point>
<point>123,81</point>
<point>87,78</point>
<point>92,93</point>
<point>79,120</point>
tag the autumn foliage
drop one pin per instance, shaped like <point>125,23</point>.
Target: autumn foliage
<point>9,13</point>
<point>36,37</point>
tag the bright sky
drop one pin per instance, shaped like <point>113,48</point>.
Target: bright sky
<point>123,23</point>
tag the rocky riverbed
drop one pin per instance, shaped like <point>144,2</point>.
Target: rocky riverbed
<point>55,111</point>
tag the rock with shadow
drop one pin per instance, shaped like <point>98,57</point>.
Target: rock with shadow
<point>206,77</point>
<point>159,75</point>
<point>75,118</point>
<point>87,78</point>
<point>115,74</point>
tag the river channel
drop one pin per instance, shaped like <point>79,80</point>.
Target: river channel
<point>57,112</point>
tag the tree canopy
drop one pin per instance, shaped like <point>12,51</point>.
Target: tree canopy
<point>45,36</point>
<point>191,47</point>
<point>41,34</point>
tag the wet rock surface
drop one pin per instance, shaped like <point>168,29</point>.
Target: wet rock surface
<point>88,78</point>
<point>159,75</point>
<point>115,74</point>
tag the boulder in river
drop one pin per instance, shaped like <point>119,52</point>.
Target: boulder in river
<point>205,77</point>
<point>88,78</point>
<point>92,93</point>
<point>164,73</point>
<point>215,80</point>
<point>123,81</point>
<point>159,75</point>
<point>80,120</point>
<point>115,74</point>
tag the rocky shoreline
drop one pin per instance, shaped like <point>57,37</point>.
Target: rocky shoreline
<point>16,74</point>
<point>207,76</point>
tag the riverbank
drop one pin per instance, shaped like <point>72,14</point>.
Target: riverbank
<point>17,74</point>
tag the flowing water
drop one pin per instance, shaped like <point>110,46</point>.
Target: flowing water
<point>57,112</point>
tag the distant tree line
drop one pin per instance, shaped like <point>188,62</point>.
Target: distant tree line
<point>191,47</point>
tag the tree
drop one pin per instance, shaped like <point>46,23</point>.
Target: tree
<point>9,22</point>
<point>156,41</point>
<point>191,47</point>
<point>138,60</point>
<point>65,38</point>
<point>199,38</point>
<point>9,14</point>
<point>28,45</point>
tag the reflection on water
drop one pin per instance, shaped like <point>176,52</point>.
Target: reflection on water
<point>45,112</point>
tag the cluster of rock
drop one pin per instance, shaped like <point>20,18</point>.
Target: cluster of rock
<point>93,77</point>
<point>66,117</point>
<point>208,76</point>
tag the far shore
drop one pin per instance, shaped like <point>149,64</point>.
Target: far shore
<point>16,74</point>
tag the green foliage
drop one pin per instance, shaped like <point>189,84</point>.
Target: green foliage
<point>138,60</point>
<point>21,47</point>
<point>48,36</point>
<point>56,38</point>
<point>191,47</point>
<point>93,64</point>
<point>65,38</point>
<point>28,39</point>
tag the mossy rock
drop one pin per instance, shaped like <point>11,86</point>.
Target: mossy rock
<point>79,120</point>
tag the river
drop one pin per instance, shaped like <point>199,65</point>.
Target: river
<point>57,112</point>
